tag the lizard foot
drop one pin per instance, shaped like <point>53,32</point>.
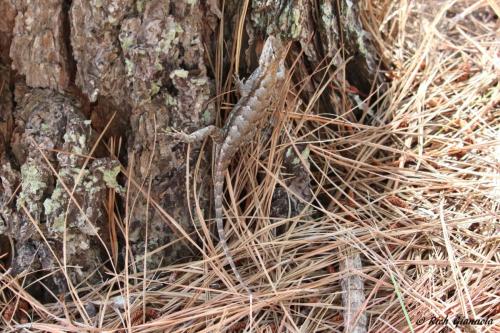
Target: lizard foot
<point>176,135</point>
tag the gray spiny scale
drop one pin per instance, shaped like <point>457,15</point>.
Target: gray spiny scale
<point>257,92</point>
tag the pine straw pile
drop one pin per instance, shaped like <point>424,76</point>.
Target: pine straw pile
<point>412,189</point>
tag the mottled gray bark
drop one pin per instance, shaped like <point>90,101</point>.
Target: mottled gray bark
<point>61,195</point>
<point>321,28</point>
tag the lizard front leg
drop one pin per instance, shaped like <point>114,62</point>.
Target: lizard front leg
<point>199,135</point>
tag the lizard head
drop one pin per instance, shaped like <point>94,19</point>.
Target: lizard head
<point>273,56</point>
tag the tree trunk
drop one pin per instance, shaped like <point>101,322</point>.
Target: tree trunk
<point>129,70</point>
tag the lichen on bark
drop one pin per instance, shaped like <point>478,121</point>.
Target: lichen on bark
<point>9,175</point>
<point>95,26</point>
<point>62,195</point>
<point>148,58</point>
<point>321,29</point>
<point>170,88</point>
<point>291,20</point>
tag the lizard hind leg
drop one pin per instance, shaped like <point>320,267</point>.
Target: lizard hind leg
<point>244,87</point>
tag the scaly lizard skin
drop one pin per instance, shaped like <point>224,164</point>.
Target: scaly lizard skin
<point>256,95</point>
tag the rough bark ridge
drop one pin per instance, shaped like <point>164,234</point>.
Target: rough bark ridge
<point>147,62</point>
<point>38,49</point>
<point>169,87</point>
<point>51,134</point>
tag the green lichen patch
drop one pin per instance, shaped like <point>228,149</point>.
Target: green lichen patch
<point>126,43</point>
<point>52,204</point>
<point>199,81</point>
<point>169,37</point>
<point>207,117</point>
<point>130,67</point>
<point>155,88</point>
<point>109,177</point>
<point>327,15</point>
<point>58,224</point>
<point>182,73</point>
<point>170,100</point>
<point>296,26</point>
<point>32,178</point>
<point>34,184</point>
<point>139,5</point>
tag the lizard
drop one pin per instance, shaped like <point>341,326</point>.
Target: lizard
<point>256,94</point>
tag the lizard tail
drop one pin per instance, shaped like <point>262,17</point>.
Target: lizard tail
<point>218,190</point>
